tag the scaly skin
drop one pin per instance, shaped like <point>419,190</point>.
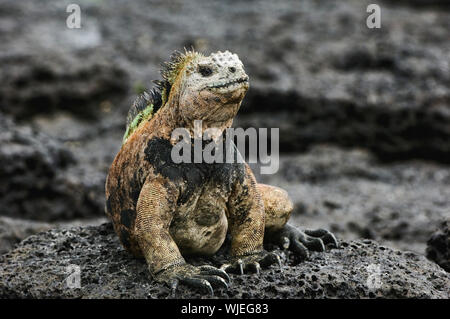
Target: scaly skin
<point>162,210</point>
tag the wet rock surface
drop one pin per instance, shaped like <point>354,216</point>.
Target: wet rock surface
<point>357,270</point>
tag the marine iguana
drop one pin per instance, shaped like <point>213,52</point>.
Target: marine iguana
<point>162,210</point>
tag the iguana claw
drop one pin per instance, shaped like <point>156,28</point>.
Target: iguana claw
<point>202,277</point>
<point>301,242</point>
<point>252,263</point>
<point>241,266</point>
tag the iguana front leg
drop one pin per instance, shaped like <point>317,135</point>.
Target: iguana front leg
<point>246,219</point>
<point>155,208</point>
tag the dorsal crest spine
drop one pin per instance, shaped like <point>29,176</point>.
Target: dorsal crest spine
<point>147,104</point>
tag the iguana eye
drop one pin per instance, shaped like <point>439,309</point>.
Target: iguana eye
<point>204,70</point>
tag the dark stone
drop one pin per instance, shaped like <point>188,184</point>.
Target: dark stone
<point>39,180</point>
<point>33,84</point>
<point>438,246</point>
<point>14,230</point>
<point>338,273</point>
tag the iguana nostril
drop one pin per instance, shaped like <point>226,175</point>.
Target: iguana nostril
<point>232,69</point>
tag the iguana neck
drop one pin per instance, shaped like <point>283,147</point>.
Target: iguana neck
<point>169,118</point>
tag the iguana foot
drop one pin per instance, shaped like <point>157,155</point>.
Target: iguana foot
<point>301,242</point>
<point>252,263</point>
<point>200,277</point>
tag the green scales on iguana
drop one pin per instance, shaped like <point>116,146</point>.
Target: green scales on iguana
<point>164,211</point>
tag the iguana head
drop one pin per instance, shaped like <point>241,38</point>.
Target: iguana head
<point>207,88</point>
<point>194,87</point>
<point>220,74</point>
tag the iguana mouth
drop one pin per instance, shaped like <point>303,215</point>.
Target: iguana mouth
<point>219,85</point>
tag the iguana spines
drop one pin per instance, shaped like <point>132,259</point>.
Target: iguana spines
<point>144,106</point>
<point>147,104</point>
<point>172,69</point>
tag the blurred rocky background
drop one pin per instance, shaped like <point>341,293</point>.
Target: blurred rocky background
<point>364,114</point>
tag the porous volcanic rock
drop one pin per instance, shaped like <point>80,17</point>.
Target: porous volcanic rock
<point>14,230</point>
<point>37,268</point>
